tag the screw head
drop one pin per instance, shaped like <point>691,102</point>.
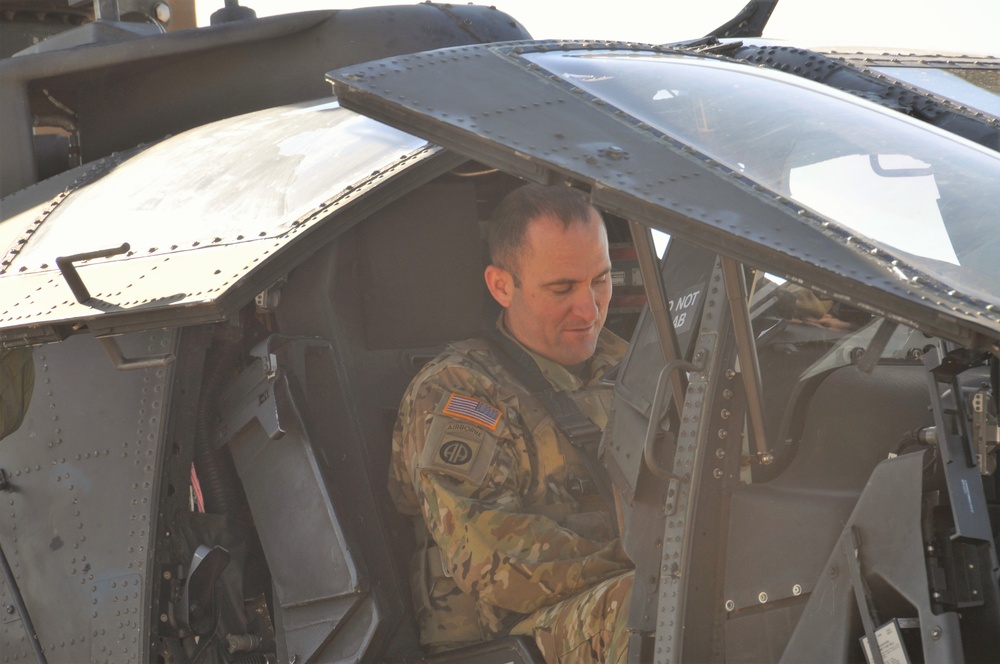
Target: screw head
<point>162,12</point>
<point>796,590</point>
<point>730,605</point>
<point>762,598</point>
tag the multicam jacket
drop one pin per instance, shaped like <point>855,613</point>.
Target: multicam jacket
<point>513,515</point>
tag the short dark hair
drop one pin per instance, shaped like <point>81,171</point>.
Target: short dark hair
<point>507,229</point>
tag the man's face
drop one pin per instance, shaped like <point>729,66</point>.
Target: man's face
<point>558,302</point>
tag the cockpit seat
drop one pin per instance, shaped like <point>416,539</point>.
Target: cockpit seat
<point>506,650</point>
<point>362,295</point>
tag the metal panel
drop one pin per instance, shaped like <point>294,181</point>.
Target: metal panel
<point>136,91</point>
<point>83,469</point>
<point>296,177</point>
<point>892,551</point>
<point>322,600</point>
<point>522,120</point>
<point>693,441</point>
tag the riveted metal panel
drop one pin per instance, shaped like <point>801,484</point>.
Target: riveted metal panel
<point>78,522</point>
<point>530,122</point>
<point>233,207</point>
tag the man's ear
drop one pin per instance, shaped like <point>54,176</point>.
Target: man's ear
<point>501,284</point>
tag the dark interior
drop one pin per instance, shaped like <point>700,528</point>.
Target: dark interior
<point>388,296</point>
<point>782,532</point>
<point>390,293</point>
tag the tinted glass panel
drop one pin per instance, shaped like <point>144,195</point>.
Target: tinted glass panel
<point>924,193</point>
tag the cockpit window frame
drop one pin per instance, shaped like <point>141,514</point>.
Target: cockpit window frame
<point>546,130</point>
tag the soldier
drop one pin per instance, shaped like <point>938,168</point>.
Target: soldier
<point>514,536</point>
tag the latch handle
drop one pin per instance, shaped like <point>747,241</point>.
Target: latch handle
<point>656,413</point>
<point>72,277</point>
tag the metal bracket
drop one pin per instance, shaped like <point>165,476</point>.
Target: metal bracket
<point>850,542</point>
<point>123,363</point>
<point>107,10</point>
<point>746,349</point>
<point>877,346</point>
<point>196,610</point>
<point>965,485</point>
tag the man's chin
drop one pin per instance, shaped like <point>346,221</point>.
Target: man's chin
<point>578,351</point>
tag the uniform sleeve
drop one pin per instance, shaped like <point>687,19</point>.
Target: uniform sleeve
<point>495,550</point>
<point>502,556</point>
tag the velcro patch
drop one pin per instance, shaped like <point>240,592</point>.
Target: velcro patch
<point>459,448</point>
<point>473,410</point>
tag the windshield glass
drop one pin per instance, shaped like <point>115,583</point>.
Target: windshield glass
<point>920,191</point>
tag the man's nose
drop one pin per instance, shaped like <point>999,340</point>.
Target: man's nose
<point>585,305</point>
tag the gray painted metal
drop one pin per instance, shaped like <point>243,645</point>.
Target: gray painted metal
<point>84,468</point>
<point>138,91</point>
<point>524,122</point>
<point>888,517</point>
<point>322,602</point>
<point>693,440</point>
<point>962,474</point>
<point>225,211</point>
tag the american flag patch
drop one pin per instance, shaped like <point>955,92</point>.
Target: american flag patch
<point>467,408</point>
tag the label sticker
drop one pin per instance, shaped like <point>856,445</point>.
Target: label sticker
<point>890,645</point>
<point>683,308</point>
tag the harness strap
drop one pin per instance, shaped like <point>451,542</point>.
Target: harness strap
<point>581,431</point>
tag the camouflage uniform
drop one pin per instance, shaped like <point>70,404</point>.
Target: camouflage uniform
<point>520,540</point>
<point>17,381</point>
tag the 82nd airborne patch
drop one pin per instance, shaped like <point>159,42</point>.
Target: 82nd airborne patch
<point>462,447</point>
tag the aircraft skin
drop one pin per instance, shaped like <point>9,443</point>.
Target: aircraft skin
<point>221,324</point>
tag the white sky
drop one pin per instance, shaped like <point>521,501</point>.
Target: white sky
<point>969,26</point>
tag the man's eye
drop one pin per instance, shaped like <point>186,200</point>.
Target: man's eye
<point>601,280</point>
